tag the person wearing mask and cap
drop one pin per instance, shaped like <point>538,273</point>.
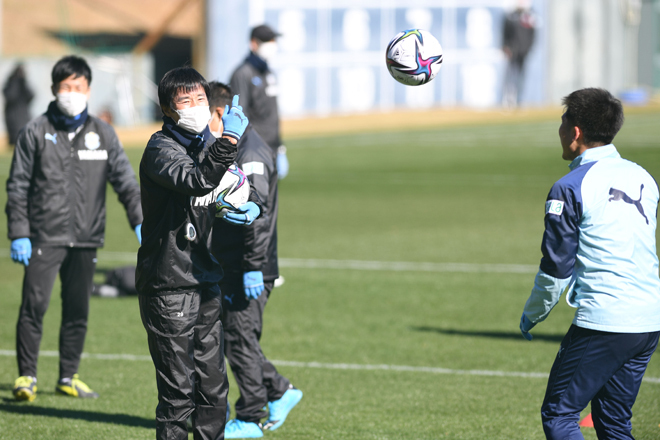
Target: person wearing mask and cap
<point>257,86</point>
<point>56,219</point>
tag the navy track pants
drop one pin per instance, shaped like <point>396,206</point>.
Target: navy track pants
<point>603,368</point>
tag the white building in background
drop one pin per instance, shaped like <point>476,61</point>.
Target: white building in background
<point>332,51</point>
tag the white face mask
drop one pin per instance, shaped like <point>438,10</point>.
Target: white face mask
<point>267,50</point>
<point>194,119</point>
<point>71,103</point>
<point>217,134</point>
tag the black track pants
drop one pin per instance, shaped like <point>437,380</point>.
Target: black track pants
<point>257,379</point>
<point>76,268</point>
<point>186,345</point>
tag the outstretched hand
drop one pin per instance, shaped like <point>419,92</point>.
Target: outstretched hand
<point>234,120</point>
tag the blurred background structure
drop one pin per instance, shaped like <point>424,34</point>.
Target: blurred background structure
<point>331,58</point>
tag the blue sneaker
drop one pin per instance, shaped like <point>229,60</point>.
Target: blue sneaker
<point>239,429</point>
<point>281,408</point>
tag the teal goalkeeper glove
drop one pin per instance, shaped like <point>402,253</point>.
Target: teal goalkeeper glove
<point>525,326</point>
<point>253,283</point>
<point>234,120</point>
<point>21,250</point>
<point>245,214</point>
<point>282,163</point>
<point>138,233</point>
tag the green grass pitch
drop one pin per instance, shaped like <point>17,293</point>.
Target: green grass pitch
<point>454,195</point>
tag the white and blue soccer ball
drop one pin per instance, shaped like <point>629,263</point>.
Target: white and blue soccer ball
<point>233,191</point>
<point>413,57</point>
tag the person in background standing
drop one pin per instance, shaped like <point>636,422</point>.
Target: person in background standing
<point>56,191</point>
<point>18,96</point>
<point>517,41</point>
<point>257,86</point>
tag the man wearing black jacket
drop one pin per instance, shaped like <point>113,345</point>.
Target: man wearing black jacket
<point>56,219</point>
<point>517,40</point>
<point>177,276</point>
<point>248,256</point>
<point>256,84</point>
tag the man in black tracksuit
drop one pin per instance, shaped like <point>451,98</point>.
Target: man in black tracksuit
<point>248,256</point>
<point>177,276</point>
<point>257,86</point>
<point>18,96</point>
<point>56,219</point>
<point>517,40</point>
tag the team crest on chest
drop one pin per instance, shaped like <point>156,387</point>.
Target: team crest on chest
<point>92,141</point>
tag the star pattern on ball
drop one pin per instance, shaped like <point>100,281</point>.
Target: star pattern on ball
<point>407,34</point>
<point>423,65</point>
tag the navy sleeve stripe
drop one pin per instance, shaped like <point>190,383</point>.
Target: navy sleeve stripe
<point>560,239</point>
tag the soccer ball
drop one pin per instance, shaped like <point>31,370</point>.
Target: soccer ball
<point>233,191</point>
<point>413,57</point>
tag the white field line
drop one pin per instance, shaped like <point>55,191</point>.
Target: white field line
<point>328,366</point>
<point>406,266</point>
<point>387,266</point>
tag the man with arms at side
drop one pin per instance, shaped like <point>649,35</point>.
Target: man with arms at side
<point>519,29</point>
<point>177,276</point>
<point>257,86</point>
<point>56,219</point>
<point>599,247</point>
<point>248,255</point>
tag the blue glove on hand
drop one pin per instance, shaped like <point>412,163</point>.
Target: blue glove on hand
<point>21,250</point>
<point>138,232</point>
<point>282,163</point>
<point>253,283</point>
<point>525,326</point>
<point>244,216</point>
<point>234,120</point>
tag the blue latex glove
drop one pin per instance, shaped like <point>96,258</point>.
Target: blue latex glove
<point>234,120</point>
<point>525,326</point>
<point>245,214</point>
<point>21,250</point>
<point>282,163</point>
<point>253,283</point>
<point>138,232</point>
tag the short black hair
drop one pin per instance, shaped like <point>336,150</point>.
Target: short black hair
<point>220,96</point>
<point>71,65</point>
<point>596,112</point>
<point>180,79</point>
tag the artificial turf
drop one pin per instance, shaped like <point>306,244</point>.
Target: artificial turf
<point>453,195</point>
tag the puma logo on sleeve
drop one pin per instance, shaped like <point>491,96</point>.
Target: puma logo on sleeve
<point>620,195</point>
<point>51,137</point>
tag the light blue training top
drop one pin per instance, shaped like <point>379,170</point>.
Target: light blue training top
<point>599,246</point>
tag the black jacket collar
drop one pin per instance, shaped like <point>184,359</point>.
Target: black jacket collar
<point>191,141</point>
<point>257,62</point>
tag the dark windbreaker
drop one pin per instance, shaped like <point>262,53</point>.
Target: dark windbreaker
<point>56,187</point>
<point>252,248</point>
<point>257,87</point>
<point>172,178</point>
